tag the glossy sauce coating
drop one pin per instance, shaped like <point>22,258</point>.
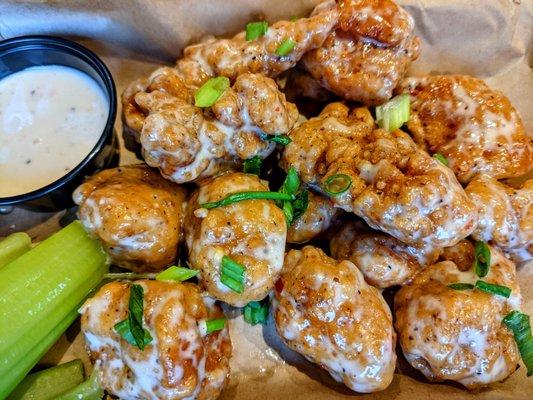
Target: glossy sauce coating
<point>135,213</point>
<point>179,363</point>
<point>476,128</point>
<point>325,311</point>
<point>396,187</point>
<point>251,232</point>
<point>458,335</point>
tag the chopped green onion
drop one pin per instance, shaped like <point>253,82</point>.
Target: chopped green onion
<point>232,274</point>
<point>175,273</point>
<point>211,91</point>
<point>285,48</point>
<point>128,275</point>
<point>294,18</point>
<point>255,30</point>
<point>394,113</point>
<point>242,196</point>
<point>131,329</point>
<point>283,140</point>
<point>288,211</point>
<point>211,325</point>
<point>299,205</point>
<point>482,261</point>
<point>253,165</point>
<point>337,184</point>
<point>291,183</point>
<point>443,160</point>
<point>461,286</point>
<point>493,288</point>
<point>256,312</point>
<point>519,324</point>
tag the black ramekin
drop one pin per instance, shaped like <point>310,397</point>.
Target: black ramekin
<point>29,51</point>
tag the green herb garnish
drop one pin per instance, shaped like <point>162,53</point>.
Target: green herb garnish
<point>232,274</point>
<point>285,48</point>
<point>394,113</point>
<point>211,91</point>
<point>482,261</point>
<point>461,286</point>
<point>255,30</point>
<point>492,288</point>
<point>519,324</point>
<point>256,312</point>
<point>175,273</point>
<point>337,184</point>
<point>131,329</point>
<point>242,196</point>
<point>443,160</point>
<point>283,140</point>
<point>253,165</point>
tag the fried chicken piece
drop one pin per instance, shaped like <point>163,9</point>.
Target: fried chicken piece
<point>367,54</point>
<point>324,310</point>
<point>251,232</point>
<point>458,335</point>
<point>395,186</point>
<point>383,260</point>
<point>505,215</point>
<point>476,128</point>
<point>187,143</point>
<point>318,217</point>
<point>181,361</point>
<point>136,214</point>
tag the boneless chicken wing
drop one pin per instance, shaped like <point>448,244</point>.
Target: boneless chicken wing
<point>458,335</point>
<point>395,186</point>
<point>324,310</point>
<point>505,215</point>
<point>475,127</point>
<point>251,233</point>
<point>181,361</point>
<point>383,259</point>
<point>135,213</point>
<point>187,143</point>
<point>367,53</point>
<point>317,218</point>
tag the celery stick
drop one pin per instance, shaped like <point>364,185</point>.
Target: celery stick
<point>39,291</point>
<point>13,246</point>
<point>49,383</point>
<point>91,389</point>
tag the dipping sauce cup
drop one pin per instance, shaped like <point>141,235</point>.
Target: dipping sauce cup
<point>20,53</point>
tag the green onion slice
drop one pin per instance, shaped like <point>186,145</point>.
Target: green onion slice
<point>289,212</point>
<point>482,261</point>
<point>299,205</point>
<point>291,184</point>
<point>236,286</point>
<point>337,184</point>
<point>242,196</point>
<point>211,325</point>
<point>394,113</point>
<point>175,273</point>
<point>461,286</point>
<point>232,274</point>
<point>211,91</point>
<point>443,160</point>
<point>253,165</point>
<point>283,140</point>
<point>519,324</point>
<point>285,48</point>
<point>131,329</point>
<point>493,288</point>
<point>294,18</point>
<point>256,312</point>
<point>255,30</point>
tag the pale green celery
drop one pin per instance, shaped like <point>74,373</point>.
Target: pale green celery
<point>39,295</point>
<point>13,246</point>
<point>49,383</point>
<point>91,389</point>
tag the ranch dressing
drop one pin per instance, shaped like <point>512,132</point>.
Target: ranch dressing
<point>51,117</point>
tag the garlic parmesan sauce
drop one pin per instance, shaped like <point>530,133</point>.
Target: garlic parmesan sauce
<point>51,117</point>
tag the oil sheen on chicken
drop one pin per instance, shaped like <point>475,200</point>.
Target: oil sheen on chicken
<point>324,310</point>
<point>505,215</point>
<point>476,128</point>
<point>396,187</point>
<point>135,213</point>
<point>458,335</point>
<point>181,361</point>
<point>383,260</point>
<point>251,232</point>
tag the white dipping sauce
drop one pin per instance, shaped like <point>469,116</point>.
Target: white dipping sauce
<point>51,117</point>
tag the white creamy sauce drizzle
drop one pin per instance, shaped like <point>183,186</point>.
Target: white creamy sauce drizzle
<point>51,117</point>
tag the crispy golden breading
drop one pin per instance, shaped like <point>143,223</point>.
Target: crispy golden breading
<point>187,143</point>
<point>324,310</point>
<point>367,54</point>
<point>135,213</point>
<point>251,232</point>
<point>181,362</point>
<point>505,215</point>
<point>458,335</point>
<point>396,187</point>
<point>476,128</point>
<point>383,260</point>
<point>316,219</point>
